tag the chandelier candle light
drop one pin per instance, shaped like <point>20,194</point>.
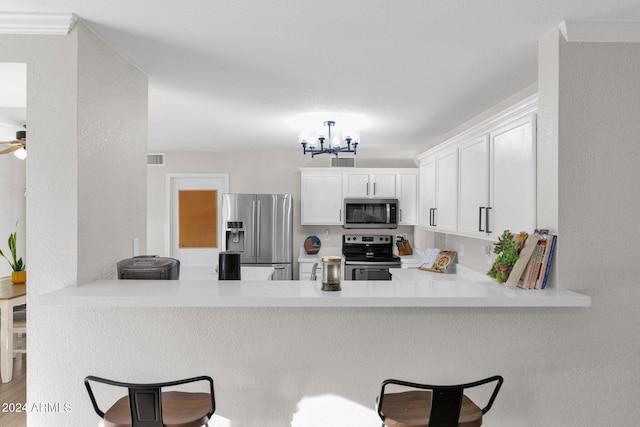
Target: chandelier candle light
<point>308,140</point>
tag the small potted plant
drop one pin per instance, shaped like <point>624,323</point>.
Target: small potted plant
<point>507,250</point>
<point>19,274</point>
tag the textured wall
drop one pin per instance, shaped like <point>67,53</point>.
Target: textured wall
<point>52,193</point>
<point>599,148</point>
<point>112,147</point>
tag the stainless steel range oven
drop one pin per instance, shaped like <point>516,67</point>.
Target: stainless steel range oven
<point>368,256</point>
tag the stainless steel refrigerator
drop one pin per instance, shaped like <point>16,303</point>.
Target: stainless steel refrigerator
<point>260,227</point>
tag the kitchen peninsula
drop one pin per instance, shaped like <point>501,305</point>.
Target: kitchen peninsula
<point>464,289</point>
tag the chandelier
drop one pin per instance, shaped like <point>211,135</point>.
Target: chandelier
<point>328,143</point>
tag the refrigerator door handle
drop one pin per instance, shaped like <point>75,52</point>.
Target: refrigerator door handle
<point>258,231</point>
<point>253,222</point>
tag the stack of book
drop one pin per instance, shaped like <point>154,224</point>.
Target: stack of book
<point>531,271</point>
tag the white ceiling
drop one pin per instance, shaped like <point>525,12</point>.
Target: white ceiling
<point>226,74</point>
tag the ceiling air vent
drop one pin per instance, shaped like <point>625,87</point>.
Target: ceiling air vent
<point>155,159</point>
<point>343,162</point>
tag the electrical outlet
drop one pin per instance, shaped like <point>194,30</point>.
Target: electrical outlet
<point>135,247</point>
<point>487,252</point>
<point>326,234</point>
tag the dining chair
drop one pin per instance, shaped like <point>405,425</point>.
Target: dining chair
<point>19,331</point>
<point>433,405</point>
<point>146,405</point>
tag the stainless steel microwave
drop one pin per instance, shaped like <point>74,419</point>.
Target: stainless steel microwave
<point>370,213</point>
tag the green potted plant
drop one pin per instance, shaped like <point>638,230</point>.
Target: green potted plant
<point>19,274</point>
<point>507,250</point>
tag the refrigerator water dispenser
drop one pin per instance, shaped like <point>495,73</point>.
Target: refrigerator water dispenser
<point>235,236</point>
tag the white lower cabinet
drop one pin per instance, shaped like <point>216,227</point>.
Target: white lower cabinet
<point>306,268</point>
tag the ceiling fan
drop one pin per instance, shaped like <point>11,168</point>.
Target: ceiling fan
<point>13,146</point>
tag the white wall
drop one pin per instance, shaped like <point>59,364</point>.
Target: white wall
<point>599,148</point>
<point>112,156</point>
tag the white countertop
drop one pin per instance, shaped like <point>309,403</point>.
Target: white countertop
<point>437,290</point>
<point>209,273</point>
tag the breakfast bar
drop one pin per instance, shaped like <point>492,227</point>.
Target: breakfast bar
<point>435,290</point>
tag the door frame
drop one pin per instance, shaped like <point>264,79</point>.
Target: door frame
<point>171,178</point>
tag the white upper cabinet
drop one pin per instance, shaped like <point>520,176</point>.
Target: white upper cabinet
<point>362,184</point>
<point>490,170</point>
<point>427,199</point>
<point>407,192</point>
<point>439,190</point>
<point>513,177</point>
<point>498,180</point>
<point>446,213</point>
<point>474,186</point>
<point>323,191</point>
<point>321,198</point>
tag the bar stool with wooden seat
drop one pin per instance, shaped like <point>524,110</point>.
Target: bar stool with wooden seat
<point>432,405</point>
<point>148,406</point>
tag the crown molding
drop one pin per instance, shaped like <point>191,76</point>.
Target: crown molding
<point>601,31</point>
<point>37,23</point>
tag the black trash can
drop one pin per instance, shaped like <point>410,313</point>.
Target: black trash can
<point>229,265</point>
